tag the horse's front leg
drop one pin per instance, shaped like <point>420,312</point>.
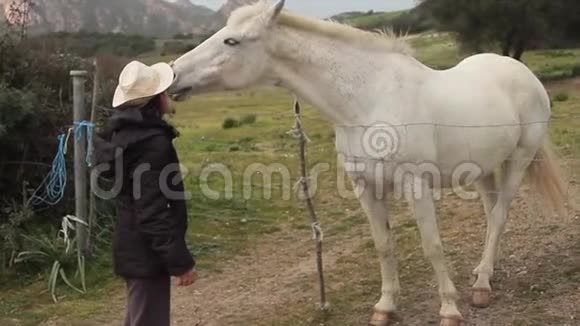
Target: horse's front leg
<point>424,207</point>
<point>374,204</point>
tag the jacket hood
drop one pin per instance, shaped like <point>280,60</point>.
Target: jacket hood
<point>124,129</point>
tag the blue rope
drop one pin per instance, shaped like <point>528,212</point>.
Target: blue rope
<point>55,182</point>
<point>79,127</point>
<point>51,190</point>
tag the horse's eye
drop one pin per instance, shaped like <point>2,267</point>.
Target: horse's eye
<point>231,42</point>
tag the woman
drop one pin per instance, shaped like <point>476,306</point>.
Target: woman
<point>149,244</point>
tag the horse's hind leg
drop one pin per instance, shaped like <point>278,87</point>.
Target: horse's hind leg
<point>488,192</point>
<point>512,177</point>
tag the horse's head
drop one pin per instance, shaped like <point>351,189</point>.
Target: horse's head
<point>235,57</point>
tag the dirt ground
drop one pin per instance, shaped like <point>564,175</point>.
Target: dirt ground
<point>537,281</point>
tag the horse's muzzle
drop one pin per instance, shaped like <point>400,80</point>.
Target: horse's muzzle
<point>180,95</point>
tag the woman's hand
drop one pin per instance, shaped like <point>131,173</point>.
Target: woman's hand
<point>188,278</point>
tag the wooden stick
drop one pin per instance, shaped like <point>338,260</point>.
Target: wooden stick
<point>95,91</point>
<point>92,198</point>
<point>316,229</point>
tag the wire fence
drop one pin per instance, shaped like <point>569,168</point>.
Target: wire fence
<point>380,143</point>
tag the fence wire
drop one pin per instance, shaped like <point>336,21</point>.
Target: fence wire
<point>568,160</point>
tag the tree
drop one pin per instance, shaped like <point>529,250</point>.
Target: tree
<point>34,107</point>
<point>19,15</point>
<point>514,25</point>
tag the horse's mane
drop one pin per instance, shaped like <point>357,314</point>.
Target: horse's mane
<point>385,40</point>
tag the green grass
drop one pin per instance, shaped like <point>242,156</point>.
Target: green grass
<point>565,128</point>
<point>221,228</point>
<point>365,20</point>
<point>437,50</point>
<point>441,51</point>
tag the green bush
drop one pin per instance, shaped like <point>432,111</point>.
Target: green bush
<point>183,36</point>
<point>11,232</point>
<point>561,97</point>
<point>558,72</point>
<point>35,102</point>
<point>56,253</point>
<point>86,44</point>
<point>230,123</point>
<point>35,107</point>
<point>576,71</point>
<point>177,47</point>
<point>18,113</point>
<point>248,119</point>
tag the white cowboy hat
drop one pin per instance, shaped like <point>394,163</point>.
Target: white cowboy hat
<point>139,82</point>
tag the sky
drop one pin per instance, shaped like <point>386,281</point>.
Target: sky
<point>326,8</point>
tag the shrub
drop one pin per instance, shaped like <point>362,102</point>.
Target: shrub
<point>230,123</point>
<point>36,106</point>
<point>248,119</point>
<point>88,44</point>
<point>35,97</point>
<point>561,97</point>
<point>177,47</point>
<point>182,36</point>
<point>57,252</point>
<point>110,67</point>
<point>576,71</point>
<point>246,140</point>
<point>11,231</point>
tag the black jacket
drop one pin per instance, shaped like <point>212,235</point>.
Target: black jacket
<point>152,213</point>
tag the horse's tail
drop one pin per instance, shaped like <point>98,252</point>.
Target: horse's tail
<point>546,177</point>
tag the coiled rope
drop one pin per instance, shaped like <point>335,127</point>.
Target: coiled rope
<point>52,188</point>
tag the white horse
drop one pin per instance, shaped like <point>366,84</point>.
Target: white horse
<point>489,111</point>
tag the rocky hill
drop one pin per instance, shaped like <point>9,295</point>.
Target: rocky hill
<point>148,17</point>
<point>231,5</point>
<point>224,12</point>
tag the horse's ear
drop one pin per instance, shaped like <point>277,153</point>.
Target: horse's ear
<point>274,11</point>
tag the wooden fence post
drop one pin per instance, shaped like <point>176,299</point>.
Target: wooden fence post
<point>80,153</point>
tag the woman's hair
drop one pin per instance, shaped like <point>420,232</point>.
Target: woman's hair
<point>152,109</point>
<point>151,112</point>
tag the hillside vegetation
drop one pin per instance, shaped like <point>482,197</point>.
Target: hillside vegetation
<point>85,44</point>
<point>368,20</point>
<point>410,21</point>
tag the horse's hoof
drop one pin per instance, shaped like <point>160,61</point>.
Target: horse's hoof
<point>381,318</point>
<point>481,298</point>
<point>452,321</point>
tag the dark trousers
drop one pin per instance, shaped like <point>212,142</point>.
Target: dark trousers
<point>148,302</point>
